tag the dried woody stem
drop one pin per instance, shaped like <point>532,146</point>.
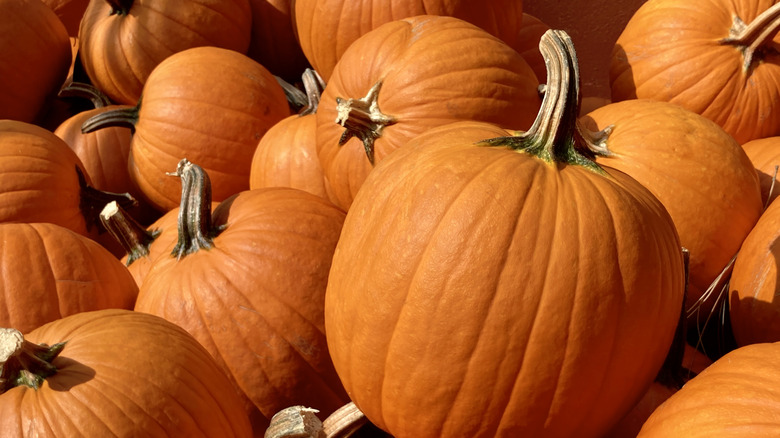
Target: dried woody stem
<point>302,422</point>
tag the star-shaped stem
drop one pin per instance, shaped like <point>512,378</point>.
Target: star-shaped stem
<point>363,119</point>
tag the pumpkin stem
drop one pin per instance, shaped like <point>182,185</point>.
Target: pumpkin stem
<point>23,363</point>
<point>85,91</point>
<point>750,38</point>
<point>195,231</point>
<point>362,118</point>
<point>313,84</point>
<point>120,7</point>
<point>302,422</point>
<point>134,238</point>
<point>123,117</point>
<point>555,135</point>
<point>93,200</point>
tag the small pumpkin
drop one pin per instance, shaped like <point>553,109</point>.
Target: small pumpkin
<point>213,116</point>
<point>35,61</point>
<point>286,156</point>
<point>407,76</point>
<point>492,283</point>
<point>122,41</point>
<point>113,373</point>
<point>49,272</point>
<point>248,282</point>
<point>716,58</point>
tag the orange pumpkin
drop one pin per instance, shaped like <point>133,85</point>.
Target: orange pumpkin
<point>326,28</point>
<point>717,58</point>
<point>249,284</point>
<point>407,76</point>
<point>736,397</point>
<point>43,180</point>
<point>113,373</point>
<point>488,284</point>
<point>36,55</point>
<point>122,41</point>
<point>286,156</point>
<point>212,116</point>
<point>50,272</point>
<point>700,173</point>
<point>764,153</point>
<point>753,287</point>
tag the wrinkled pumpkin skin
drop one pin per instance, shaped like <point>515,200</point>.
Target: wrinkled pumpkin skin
<point>124,373</point>
<point>482,292</point>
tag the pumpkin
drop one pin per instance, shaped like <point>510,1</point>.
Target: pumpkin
<point>113,373</point>
<point>50,272</point>
<point>764,153</point>
<point>753,286</point>
<point>43,180</point>
<point>326,28</point>
<point>69,12</point>
<point>122,41</point>
<point>29,80</point>
<point>213,116</point>
<point>248,282</point>
<point>286,156</point>
<point>495,283</point>
<point>274,43</point>
<point>717,58</point>
<point>407,76</point>
<point>736,396</point>
<point>700,173</point>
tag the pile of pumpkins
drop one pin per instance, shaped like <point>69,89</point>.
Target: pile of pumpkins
<point>324,218</point>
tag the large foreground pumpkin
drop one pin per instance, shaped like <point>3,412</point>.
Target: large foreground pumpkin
<point>501,288</point>
<point>113,373</point>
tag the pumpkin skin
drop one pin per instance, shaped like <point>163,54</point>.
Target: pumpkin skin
<point>530,32</point>
<point>478,291</point>
<point>120,50</point>
<point>433,70</point>
<point>214,117</point>
<point>736,396</point>
<point>703,177</point>
<point>38,179</point>
<point>255,299</point>
<point>326,28</point>
<point>764,153</point>
<point>29,81</point>
<point>753,286</point>
<point>50,272</point>
<point>124,373</point>
<point>671,50</point>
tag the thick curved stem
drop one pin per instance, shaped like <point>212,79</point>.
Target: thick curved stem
<point>23,363</point>
<point>555,135</point>
<point>195,230</point>
<point>134,238</point>
<point>752,37</point>
<point>313,84</point>
<point>85,91</point>
<point>123,117</point>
